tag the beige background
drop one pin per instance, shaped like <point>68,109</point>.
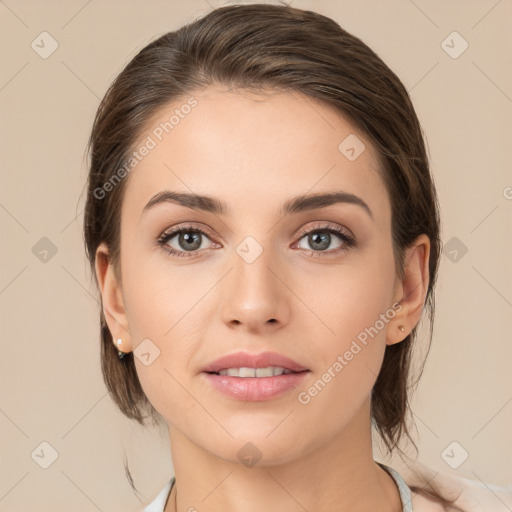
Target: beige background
<point>51,387</point>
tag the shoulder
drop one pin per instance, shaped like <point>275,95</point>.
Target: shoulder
<point>158,503</point>
<point>421,503</point>
<point>467,495</point>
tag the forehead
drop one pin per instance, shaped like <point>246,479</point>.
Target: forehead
<point>253,149</point>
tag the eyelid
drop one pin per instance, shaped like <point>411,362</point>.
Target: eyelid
<point>319,225</point>
<point>186,227</point>
<point>303,231</point>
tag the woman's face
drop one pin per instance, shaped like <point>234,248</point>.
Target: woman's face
<point>256,281</point>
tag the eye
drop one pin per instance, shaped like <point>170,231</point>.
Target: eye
<point>320,238</point>
<point>189,239</point>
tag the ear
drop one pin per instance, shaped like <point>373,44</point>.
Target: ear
<point>411,290</point>
<point>112,299</point>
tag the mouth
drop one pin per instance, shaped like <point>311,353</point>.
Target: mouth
<point>244,364</point>
<point>254,377</point>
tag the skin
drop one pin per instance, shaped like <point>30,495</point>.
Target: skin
<point>254,152</point>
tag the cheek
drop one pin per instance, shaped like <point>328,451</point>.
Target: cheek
<point>158,293</point>
<point>166,308</point>
<point>348,334</point>
<point>346,300</point>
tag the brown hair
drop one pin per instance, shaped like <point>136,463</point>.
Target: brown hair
<point>282,48</point>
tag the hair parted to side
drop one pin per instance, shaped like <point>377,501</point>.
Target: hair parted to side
<point>269,47</point>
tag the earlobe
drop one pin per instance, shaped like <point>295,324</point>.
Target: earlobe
<point>413,290</point>
<point>112,299</point>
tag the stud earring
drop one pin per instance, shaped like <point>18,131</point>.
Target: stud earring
<point>402,328</point>
<point>120,353</point>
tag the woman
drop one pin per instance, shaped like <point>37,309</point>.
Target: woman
<point>264,231</point>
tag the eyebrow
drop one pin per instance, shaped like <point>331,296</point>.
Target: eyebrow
<point>294,205</point>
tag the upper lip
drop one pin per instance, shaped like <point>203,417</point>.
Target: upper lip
<point>262,360</point>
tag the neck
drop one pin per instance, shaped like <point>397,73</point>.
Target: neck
<point>339,474</point>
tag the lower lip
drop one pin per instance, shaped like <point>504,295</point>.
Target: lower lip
<point>255,389</point>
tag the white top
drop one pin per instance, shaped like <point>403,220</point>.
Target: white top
<point>157,505</point>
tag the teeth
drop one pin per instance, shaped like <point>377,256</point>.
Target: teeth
<point>269,371</point>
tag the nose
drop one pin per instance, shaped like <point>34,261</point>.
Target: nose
<point>255,298</point>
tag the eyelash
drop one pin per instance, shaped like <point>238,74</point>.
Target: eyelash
<point>348,241</point>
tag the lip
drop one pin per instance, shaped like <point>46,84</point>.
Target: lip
<point>255,389</point>
<point>261,360</point>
